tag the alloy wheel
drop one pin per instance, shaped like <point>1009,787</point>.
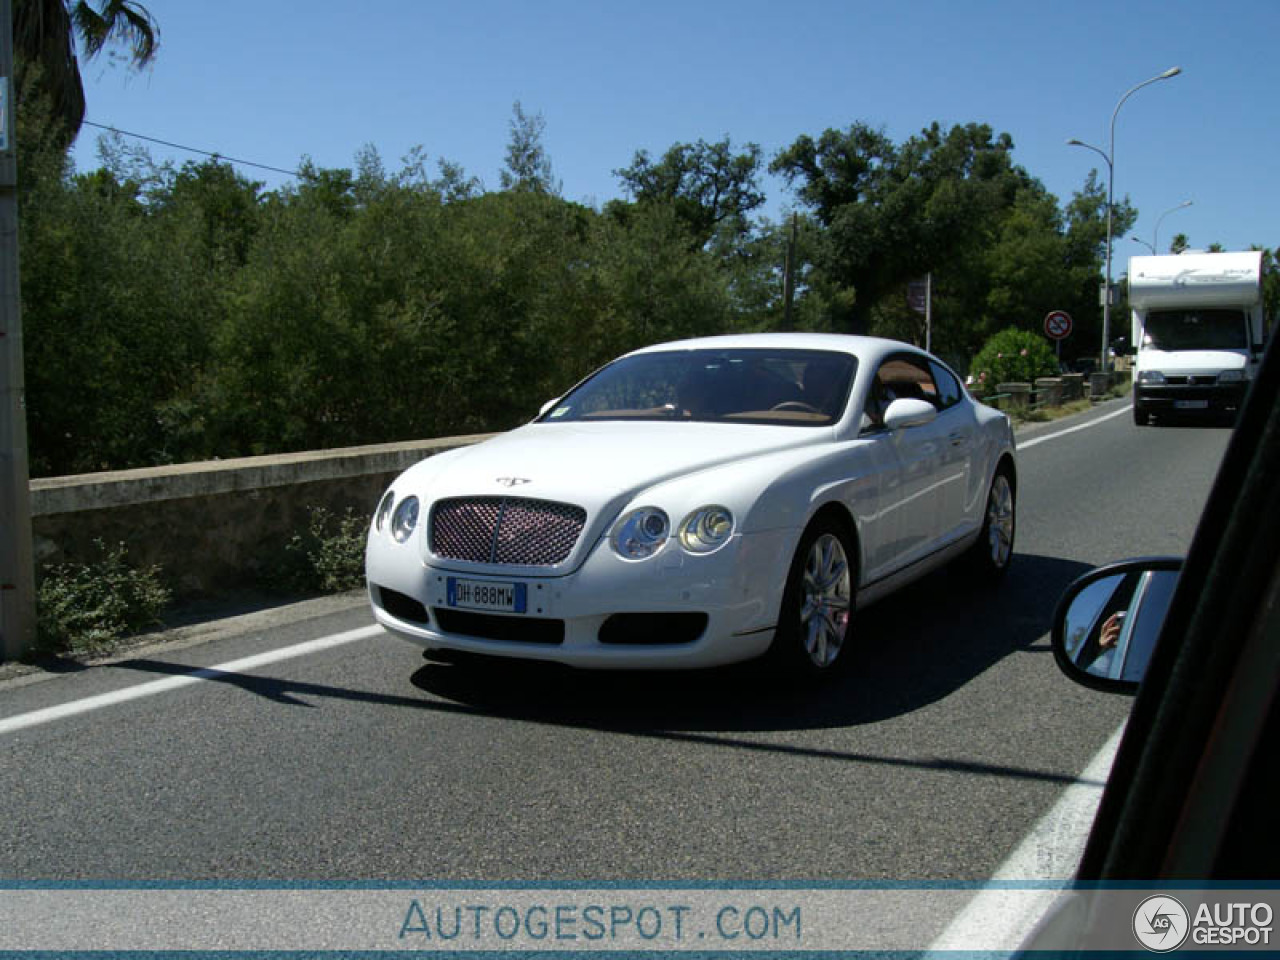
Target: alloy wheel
<point>826,602</point>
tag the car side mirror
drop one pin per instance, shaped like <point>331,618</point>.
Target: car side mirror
<point>909,412</point>
<point>1107,622</point>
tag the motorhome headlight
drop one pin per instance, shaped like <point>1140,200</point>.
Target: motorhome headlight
<point>404,519</point>
<point>706,529</point>
<point>384,511</point>
<point>1150,377</point>
<point>1231,376</point>
<point>641,533</point>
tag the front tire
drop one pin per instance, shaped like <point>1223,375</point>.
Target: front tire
<point>814,625</point>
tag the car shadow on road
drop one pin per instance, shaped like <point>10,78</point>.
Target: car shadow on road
<point>914,648</point>
<point>917,647</point>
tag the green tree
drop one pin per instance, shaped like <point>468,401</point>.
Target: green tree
<point>117,308</point>
<point>1270,289</point>
<point>528,166</point>
<point>44,40</point>
<point>708,185</point>
<point>225,203</point>
<point>1086,218</point>
<point>894,213</point>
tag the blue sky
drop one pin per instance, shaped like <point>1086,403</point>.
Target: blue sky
<point>274,80</point>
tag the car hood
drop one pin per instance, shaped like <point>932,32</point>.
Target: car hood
<point>1192,361</point>
<point>600,466</point>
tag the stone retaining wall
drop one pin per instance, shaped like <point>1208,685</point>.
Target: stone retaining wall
<point>219,526</point>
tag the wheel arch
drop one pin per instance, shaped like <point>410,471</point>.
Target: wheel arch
<point>1008,465</point>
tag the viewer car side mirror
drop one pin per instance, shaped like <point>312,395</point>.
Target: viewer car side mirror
<point>909,412</point>
<point>1107,622</point>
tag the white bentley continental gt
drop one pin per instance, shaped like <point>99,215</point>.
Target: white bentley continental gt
<point>698,503</point>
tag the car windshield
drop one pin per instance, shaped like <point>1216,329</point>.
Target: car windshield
<point>803,388</point>
<point>1195,330</point>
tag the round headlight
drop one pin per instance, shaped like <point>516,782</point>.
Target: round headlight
<point>641,533</point>
<point>404,519</point>
<point>384,511</point>
<point>706,529</point>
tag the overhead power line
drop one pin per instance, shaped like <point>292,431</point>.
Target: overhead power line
<point>204,153</point>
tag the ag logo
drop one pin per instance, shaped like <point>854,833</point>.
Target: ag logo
<point>1161,923</point>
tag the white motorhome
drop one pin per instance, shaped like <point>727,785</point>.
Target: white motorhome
<point>1197,331</point>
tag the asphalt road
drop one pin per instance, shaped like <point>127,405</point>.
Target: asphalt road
<point>932,760</point>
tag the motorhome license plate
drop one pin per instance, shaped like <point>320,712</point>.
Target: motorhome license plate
<point>1191,404</point>
<point>487,595</point>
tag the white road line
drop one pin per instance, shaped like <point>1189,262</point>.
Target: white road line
<point>1051,851</point>
<point>37,717</point>
<point>1076,429</point>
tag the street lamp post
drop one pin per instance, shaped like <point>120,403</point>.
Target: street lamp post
<point>1109,157</point>
<point>1155,234</point>
<point>1154,245</point>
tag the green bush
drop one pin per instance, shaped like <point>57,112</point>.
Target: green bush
<point>83,607</point>
<point>1012,356</point>
<point>329,555</point>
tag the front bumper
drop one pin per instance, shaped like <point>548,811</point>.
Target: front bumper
<point>671,611</point>
<point>1189,398</point>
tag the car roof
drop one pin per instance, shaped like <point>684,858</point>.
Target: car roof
<point>866,348</point>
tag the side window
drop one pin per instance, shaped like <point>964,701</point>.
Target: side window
<point>903,375</point>
<point>948,386</point>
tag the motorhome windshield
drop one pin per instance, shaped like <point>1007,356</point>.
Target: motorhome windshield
<point>1195,330</point>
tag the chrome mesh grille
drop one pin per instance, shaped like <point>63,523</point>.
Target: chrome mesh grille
<point>509,530</point>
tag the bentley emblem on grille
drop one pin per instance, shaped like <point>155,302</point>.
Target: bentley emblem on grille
<point>513,481</point>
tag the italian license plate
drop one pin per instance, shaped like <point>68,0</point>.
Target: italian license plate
<point>487,595</point>
<point>1191,404</point>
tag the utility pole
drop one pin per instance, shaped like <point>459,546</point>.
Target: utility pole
<point>17,578</point>
<point>789,275</point>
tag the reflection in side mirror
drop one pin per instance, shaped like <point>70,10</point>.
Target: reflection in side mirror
<point>1107,622</point>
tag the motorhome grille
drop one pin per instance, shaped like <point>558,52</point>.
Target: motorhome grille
<point>506,530</point>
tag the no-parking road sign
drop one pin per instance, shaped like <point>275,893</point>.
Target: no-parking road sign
<point>1057,325</point>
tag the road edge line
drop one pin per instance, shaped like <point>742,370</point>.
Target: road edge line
<point>34,718</point>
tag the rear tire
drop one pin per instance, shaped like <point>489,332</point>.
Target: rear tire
<point>990,556</point>
<point>1141,416</point>
<point>815,622</point>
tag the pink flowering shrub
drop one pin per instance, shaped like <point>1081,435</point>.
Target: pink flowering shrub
<point>1012,356</point>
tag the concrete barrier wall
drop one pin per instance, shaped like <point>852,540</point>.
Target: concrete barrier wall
<point>219,526</point>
